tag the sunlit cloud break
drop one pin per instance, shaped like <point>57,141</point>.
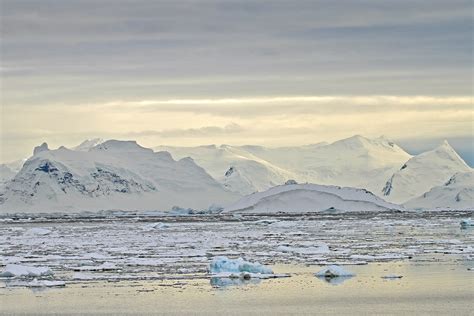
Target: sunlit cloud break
<point>376,99</point>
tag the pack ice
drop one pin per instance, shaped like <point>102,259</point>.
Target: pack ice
<point>16,270</point>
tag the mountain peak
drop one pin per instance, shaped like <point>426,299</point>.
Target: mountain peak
<point>88,144</point>
<point>445,145</point>
<point>120,145</point>
<point>40,148</point>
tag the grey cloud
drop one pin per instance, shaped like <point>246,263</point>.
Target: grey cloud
<point>94,42</point>
<point>207,131</point>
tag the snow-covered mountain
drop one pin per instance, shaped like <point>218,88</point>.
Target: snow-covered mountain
<point>310,198</point>
<point>423,172</point>
<point>9,170</point>
<point>356,161</point>
<point>112,175</point>
<point>457,193</point>
<point>6,174</point>
<point>236,168</point>
<point>88,144</point>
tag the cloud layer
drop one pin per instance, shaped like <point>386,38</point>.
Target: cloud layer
<point>266,72</point>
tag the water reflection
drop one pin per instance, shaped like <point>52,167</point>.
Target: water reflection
<point>226,282</point>
<point>335,280</point>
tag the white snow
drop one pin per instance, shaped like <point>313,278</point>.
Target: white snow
<point>222,264</point>
<point>16,270</point>
<point>334,271</point>
<point>457,193</point>
<point>112,175</point>
<point>40,148</point>
<point>310,197</point>
<point>246,169</point>
<point>88,144</point>
<point>423,172</point>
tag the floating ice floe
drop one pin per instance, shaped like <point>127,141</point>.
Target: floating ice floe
<point>38,231</point>
<point>467,222</point>
<point>223,264</point>
<point>223,267</point>
<point>317,249</point>
<point>334,275</point>
<point>16,270</point>
<point>334,271</point>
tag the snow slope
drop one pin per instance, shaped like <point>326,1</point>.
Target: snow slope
<point>423,172</point>
<point>310,197</point>
<point>88,144</point>
<point>112,175</point>
<point>457,193</point>
<point>9,170</point>
<point>6,174</point>
<point>356,161</point>
<point>236,168</point>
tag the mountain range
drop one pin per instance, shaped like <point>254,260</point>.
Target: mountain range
<point>104,175</point>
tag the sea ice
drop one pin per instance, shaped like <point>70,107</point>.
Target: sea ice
<point>154,226</point>
<point>16,270</point>
<point>38,231</point>
<point>45,283</point>
<point>224,264</point>
<point>466,223</point>
<point>334,271</point>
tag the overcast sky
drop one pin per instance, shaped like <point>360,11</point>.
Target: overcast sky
<point>236,72</point>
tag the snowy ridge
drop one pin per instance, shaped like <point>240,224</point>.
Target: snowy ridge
<point>311,197</point>
<point>422,172</point>
<point>457,193</point>
<point>249,173</point>
<point>6,174</point>
<point>372,162</point>
<point>88,144</point>
<point>112,175</point>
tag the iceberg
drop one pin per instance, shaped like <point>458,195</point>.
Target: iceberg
<point>223,264</point>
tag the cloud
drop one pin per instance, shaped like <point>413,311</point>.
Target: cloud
<point>206,131</point>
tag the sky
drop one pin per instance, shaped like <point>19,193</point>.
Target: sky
<point>272,73</point>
